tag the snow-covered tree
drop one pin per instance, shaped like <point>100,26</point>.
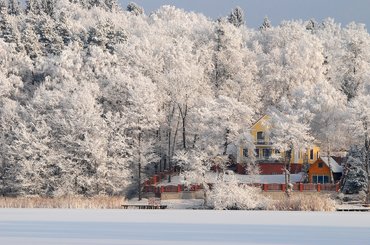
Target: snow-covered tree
<point>355,175</point>
<point>135,9</point>
<point>229,194</point>
<point>355,61</point>
<point>289,132</point>
<point>195,165</point>
<point>14,7</point>
<point>236,17</point>
<point>266,24</point>
<point>360,124</point>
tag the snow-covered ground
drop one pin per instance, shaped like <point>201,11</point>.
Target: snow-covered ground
<point>162,227</point>
<point>241,178</point>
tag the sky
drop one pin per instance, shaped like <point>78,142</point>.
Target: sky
<point>343,11</point>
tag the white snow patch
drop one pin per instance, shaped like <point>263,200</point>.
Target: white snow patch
<point>262,179</point>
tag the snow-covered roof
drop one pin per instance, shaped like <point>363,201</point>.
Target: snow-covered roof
<point>334,166</point>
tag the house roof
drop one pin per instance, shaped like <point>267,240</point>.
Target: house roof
<point>334,166</point>
<point>265,115</point>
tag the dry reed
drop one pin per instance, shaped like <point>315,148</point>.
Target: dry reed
<point>300,202</point>
<point>73,202</point>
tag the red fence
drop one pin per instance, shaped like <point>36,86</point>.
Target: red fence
<point>298,187</point>
<point>301,187</point>
<point>171,188</point>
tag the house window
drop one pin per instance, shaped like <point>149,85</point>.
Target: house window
<point>260,138</point>
<point>314,179</point>
<point>320,165</point>
<point>245,152</point>
<point>266,153</point>
<point>311,154</point>
<point>257,153</point>
<point>322,179</point>
<point>326,179</point>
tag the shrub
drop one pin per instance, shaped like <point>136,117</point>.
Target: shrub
<point>230,195</point>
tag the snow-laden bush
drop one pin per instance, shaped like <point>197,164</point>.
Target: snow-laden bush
<point>231,195</point>
<point>304,202</point>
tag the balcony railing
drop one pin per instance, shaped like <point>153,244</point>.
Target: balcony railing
<point>274,158</point>
<point>262,142</point>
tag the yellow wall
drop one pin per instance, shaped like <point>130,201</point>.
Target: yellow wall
<point>262,126</point>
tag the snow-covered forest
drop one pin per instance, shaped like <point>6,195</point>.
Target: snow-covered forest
<point>91,92</point>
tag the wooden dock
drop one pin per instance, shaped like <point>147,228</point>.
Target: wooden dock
<point>143,206</point>
<point>354,208</point>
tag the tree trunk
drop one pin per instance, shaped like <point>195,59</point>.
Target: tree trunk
<point>288,188</point>
<point>169,149</point>
<point>330,168</point>
<point>175,136</point>
<point>226,141</point>
<point>169,124</point>
<point>139,164</point>
<point>367,146</point>
<point>183,113</point>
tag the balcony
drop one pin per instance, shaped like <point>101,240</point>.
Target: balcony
<point>262,142</point>
<point>268,157</point>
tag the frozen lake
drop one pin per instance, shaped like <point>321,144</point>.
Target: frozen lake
<point>146,227</point>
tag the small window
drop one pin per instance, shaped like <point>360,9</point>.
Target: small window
<point>257,152</point>
<point>320,179</point>
<point>245,152</point>
<point>326,179</point>
<point>311,154</point>
<point>314,179</point>
<point>260,138</point>
<point>320,165</point>
<point>266,153</point>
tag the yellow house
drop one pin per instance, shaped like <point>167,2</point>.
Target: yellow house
<point>265,152</point>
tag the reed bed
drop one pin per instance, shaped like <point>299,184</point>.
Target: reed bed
<point>68,202</point>
<point>301,202</point>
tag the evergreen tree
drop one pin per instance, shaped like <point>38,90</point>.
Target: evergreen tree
<point>266,24</point>
<point>48,7</point>
<point>135,9</point>
<point>49,38</point>
<point>355,176</point>
<point>30,42</point>
<point>236,17</point>
<point>14,7</point>
<point>62,29</point>
<point>312,25</point>
<point>112,5</point>
<point>3,9</point>
<point>33,7</point>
